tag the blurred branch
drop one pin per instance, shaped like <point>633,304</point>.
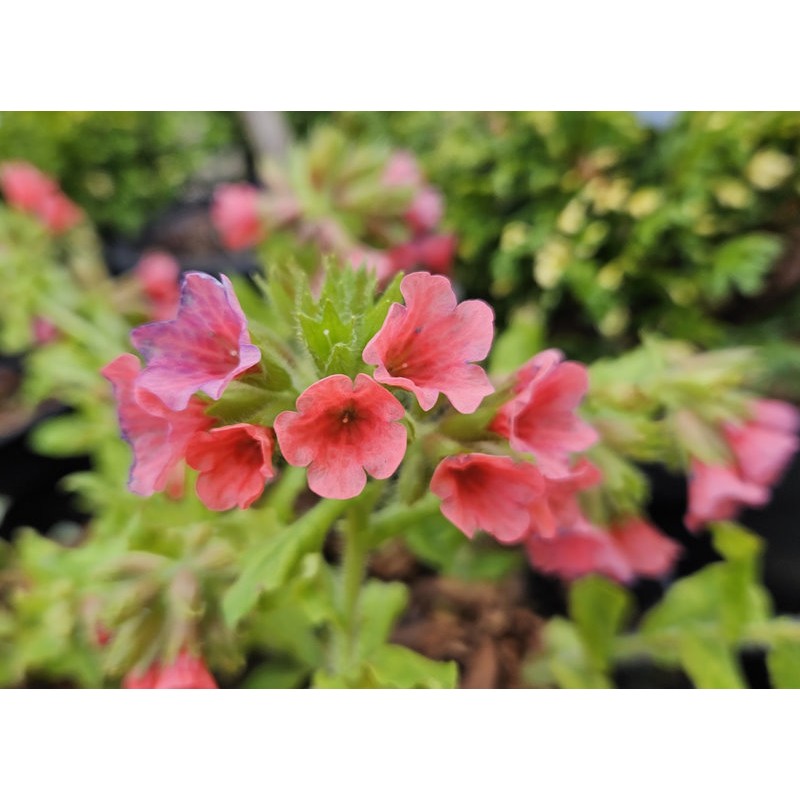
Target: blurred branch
<point>268,134</point>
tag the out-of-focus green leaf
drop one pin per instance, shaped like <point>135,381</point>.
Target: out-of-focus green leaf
<point>395,667</point>
<point>709,662</point>
<point>783,661</point>
<point>598,608</point>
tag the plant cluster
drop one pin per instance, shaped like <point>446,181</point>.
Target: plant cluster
<point>278,433</point>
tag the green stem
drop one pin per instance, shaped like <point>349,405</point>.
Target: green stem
<point>283,494</point>
<point>396,519</point>
<point>354,563</point>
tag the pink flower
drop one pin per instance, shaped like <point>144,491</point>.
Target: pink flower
<point>340,431</point>
<point>718,492</point>
<point>29,190</point>
<point>765,444</point>
<point>158,274</point>
<point>59,213</point>
<point>540,419</point>
<point>425,211</point>
<point>236,215</point>
<point>761,448</point>
<point>157,435</point>
<point>202,350</point>
<point>632,548</point>
<point>402,170</point>
<point>436,252</point>
<point>25,187</point>
<point>186,672</point>
<point>427,345</point>
<point>44,331</point>
<point>234,462</point>
<point>489,493</point>
<point>557,509</point>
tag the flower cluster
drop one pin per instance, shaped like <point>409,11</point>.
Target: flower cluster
<point>403,237</point>
<point>31,191</point>
<point>760,448</point>
<point>161,413</point>
<point>521,474</point>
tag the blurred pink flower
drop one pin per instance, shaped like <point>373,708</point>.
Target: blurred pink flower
<point>158,274</point>
<point>427,345</point>
<point>157,435</point>
<point>488,493</point>
<point>186,672</point>
<point>632,548</point>
<point>425,211</point>
<point>202,350</point>
<point>761,448</point>
<point>236,215</point>
<point>342,430</point>
<point>44,331</point>
<point>402,169</point>
<point>29,190</point>
<point>540,419</point>
<point>234,462</point>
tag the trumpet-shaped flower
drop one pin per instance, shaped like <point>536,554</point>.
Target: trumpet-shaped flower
<point>490,493</point>
<point>186,672</point>
<point>341,431</point>
<point>540,419</point>
<point>202,350</point>
<point>157,435</point>
<point>234,462</point>
<point>427,345</point>
<point>630,549</point>
<point>761,448</point>
<point>236,215</point>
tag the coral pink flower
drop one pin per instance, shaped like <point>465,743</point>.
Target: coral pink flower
<point>202,350</point>
<point>341,430</point>
<point>427,345</point>
<point>234,462</point>
<point>557,508</point>
<point>27,189</point>
<point>630,549</point>
<point>157,435</point>
<point>236,215</point>
<point>718,492</point>
<point>765,444</point>
<point>59,213</point>
<point>158,274</point>
<point>762,447</point>
<point>540,418</point>
<point>44,331</point>
<point>402,170</point>
<point>425,211</point>
<point>489,493</point>
<point>186,672</point>
<point>436,252</point>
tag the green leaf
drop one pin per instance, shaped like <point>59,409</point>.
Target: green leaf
<point>276,675</point>
<point>742,264</point>
<point>380,606</point>
<point>709,662</point>
<point>564,660</point>
<point>598,608</point>
<point>243,402</point>
<point>394,667</point>
<point>271,564</point>
<point>783,661</point>
<point>64,436</point>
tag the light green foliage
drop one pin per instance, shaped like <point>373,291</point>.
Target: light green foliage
<point>701,624</point>
<point>611,228</point>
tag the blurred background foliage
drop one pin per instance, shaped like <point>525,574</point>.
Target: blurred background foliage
<point>122,167</point>
<point>603,228</point>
